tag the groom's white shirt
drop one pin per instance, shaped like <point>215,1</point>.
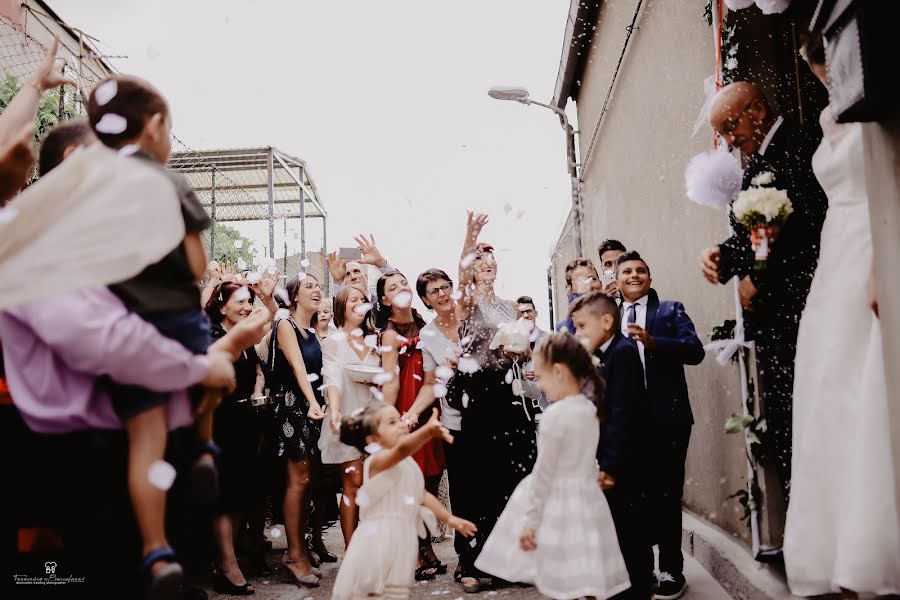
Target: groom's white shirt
<point>770,135</point>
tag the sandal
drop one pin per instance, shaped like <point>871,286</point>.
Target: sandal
<point>205,475</point>
<point>471,585</point>
<point>224,586</point>
<point>423,575</point>
<point>167,581</point>
<point>458,574</point>
<point>307,581</point>
<point>440,567</point>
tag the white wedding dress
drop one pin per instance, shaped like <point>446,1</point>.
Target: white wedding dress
<point>842,526</point>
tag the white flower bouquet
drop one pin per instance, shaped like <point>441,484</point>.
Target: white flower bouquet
<point>762,210</point>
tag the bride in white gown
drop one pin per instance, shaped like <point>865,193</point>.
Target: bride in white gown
<point>842,530</point>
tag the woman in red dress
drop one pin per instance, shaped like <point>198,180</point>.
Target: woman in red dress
<point>399,325</point>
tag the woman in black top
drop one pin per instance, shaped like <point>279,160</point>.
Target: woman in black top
<point>238,430</point>
<point>296,359</point>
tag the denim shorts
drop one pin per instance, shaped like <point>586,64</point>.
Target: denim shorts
<point>189,328</point>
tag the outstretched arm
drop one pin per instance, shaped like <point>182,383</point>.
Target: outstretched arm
<point>466,528</point>
<point>409,444</point>
<point>474,224</point>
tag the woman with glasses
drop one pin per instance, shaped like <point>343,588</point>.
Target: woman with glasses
<point>499,425</point>
<point>440,343</point>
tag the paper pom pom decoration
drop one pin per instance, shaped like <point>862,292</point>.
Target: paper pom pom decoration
<point>712,178</point>
<point>738,4</point>
<point>771,7</point>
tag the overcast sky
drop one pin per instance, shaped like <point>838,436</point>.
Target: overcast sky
<point>385,99</point>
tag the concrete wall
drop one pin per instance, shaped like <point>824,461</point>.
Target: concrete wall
<point>634,190</point>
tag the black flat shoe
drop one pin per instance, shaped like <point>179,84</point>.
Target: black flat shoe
<point>422,573</point>
<point>324,555</point>
<point>224,586</point>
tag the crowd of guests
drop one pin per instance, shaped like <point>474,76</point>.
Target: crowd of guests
<point>174,411</point>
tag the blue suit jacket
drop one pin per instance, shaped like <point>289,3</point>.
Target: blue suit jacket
<point>677,345</point>
<point>622,446</point>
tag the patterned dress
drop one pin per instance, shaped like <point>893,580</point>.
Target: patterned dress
<point>297,433</point>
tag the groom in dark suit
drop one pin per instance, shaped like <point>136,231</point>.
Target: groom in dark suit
<point>666,341</point>
<point>623,436</point>
<point>773,298</point>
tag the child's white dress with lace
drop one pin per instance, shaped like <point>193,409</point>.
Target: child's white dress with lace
<point>577,551</point>
<point>381,558</point>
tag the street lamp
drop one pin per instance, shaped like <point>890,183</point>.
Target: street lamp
<point>519,94</point>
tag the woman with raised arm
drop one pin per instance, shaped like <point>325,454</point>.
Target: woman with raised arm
<point>499,425</point>
<point>296,360</point>
<point>347,356</point>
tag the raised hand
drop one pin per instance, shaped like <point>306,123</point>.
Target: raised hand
<point>337,267</point>
<point>265,287</point>
<point>49,73</point>
<point>475,222</point>
<point>371,255</point>
<point>435,429</point>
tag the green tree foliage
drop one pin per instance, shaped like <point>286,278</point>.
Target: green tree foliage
<point>225,250</point>
<point>48,115</point>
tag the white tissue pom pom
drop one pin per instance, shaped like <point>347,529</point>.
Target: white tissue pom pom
<point>362,309</point>
<point>275,533</point>
<point>772,7</point>
<point>440,390</point>
<point>112,124</point>
<point>443,373</point>
<point>106,92</point>
<point>403,300</point>
<point>372,448</point>
<point>712,178</point>
<point>738,4</point>
<point>282,313</point>
<point>467,364</point>
<point>161,474</point>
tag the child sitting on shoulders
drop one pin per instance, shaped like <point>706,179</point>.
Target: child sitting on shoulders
<point>381,558</point>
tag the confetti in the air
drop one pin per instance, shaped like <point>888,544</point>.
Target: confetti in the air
<point>106,92</point>
<point>304,263</point>
<point>111,124</point>
<point>372,448</point>
<point>161,474</point>
<point>312,377</point>
<point>275,532</point>
<point>363,308</point>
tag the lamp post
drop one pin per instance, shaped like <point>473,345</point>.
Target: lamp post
<point>521,95</point>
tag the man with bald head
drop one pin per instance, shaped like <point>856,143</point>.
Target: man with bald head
<point>773,298</point>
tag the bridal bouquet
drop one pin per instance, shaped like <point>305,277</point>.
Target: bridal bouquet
<point>762,210</point>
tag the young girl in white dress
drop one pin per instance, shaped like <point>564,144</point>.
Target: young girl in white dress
<point>380,561</point>
<point>556,531</point>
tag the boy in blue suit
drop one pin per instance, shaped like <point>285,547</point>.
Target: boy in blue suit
<point>623,434</point>
<point>666,342</point>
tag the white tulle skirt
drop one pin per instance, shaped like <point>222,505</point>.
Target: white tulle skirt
<point>577,551</point>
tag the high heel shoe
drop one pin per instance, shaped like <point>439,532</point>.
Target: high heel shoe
<point>322,552</point>
<point>308,581</point>
<point>224,586</point>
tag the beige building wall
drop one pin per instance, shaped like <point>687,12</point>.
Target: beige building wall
<point>633,190</point>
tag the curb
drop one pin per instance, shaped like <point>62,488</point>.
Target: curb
<point>730,562</point>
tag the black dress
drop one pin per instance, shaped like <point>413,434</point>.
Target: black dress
<point>298,435</point>
<point>240,431</point>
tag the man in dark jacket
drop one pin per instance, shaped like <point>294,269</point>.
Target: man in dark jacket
<point>666,342</point>
<point>623,436</point>
<point>774,297</point>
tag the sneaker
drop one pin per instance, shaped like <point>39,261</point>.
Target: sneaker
<point>670,586</point>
